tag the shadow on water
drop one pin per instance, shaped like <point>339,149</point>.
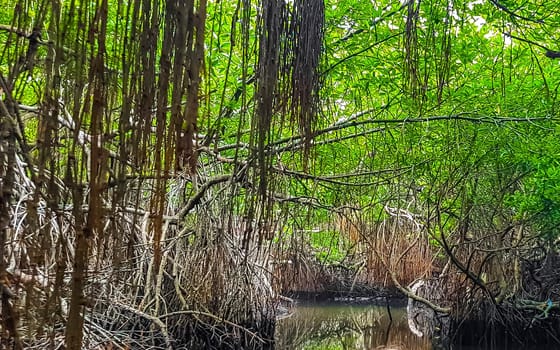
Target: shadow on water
<point>360,327</point>
<point>348,327</point>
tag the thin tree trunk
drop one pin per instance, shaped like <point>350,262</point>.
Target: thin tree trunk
<point>97,180</point>
<point>8,314</point>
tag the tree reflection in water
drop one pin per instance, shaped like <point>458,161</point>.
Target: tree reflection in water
<point>356,327</point>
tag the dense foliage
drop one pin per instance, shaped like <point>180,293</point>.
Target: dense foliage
<point>158,135</point>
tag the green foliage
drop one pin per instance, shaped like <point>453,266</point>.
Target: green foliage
<point>328,246</point>
<point>436,107</point>
<point>445,112</point>
<point>537,201</point>
<point>472,64</point>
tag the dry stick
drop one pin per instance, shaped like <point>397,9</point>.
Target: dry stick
<point>103,336</point>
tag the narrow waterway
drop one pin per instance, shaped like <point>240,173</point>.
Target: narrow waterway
<point>349,327</point>
<point>334,326</point>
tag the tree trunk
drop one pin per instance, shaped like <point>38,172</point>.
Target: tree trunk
<point>8,314</point>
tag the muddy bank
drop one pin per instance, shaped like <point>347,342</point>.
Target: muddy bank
<point>364,295</point>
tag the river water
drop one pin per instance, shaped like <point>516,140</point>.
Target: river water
<point>331,326</point>
<point>348,327</point>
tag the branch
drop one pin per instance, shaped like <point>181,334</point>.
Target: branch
<point>541,306</point>
<point>513,14</point>
<point>464,269</point>
<point>14,30</point>
<point>360,52</point>
<point>296,146</point>
<point>374,22</point>
<point>407,292</point>
<point>198,196</point>
<point>352,121</point>
<point>333,179</point>
<point>38,40</point>
<point>458,116</point>
<point>549,53</point>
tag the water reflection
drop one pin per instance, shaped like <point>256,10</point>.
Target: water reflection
<point>363,327</point>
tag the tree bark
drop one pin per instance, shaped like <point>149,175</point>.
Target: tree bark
<point>8,314</point>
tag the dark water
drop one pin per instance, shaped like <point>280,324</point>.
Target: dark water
<point>358,327</point>
<point>347,327</point>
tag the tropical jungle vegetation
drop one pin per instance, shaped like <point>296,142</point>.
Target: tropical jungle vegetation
<point>171,170</point>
